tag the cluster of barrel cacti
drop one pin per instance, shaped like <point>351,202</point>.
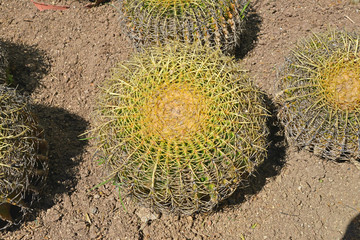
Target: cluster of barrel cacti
<point>180,127</point>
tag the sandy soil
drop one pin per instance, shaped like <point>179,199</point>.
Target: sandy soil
<point>60,57</point>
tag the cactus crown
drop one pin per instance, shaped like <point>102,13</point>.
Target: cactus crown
<point>321,95</point>
<point>174,111</point>
<point>340,81</point>
<point>180,127</point>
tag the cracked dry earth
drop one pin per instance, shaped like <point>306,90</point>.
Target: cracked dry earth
<point>60,57</point>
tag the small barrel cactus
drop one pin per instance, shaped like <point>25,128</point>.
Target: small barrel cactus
<point>180,127</point>
<point>23,157</point>
<point>320,95</point>
<point>214,23</point>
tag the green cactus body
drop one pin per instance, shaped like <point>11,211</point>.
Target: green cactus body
<point>23,157</point>
<point>320,95</point>
<point>214,23</point>
<point>181,127</point>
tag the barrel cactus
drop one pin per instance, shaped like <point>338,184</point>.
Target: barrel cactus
<point>320,95</point>
<point>214,23</point>
<point>23,157</point>
<point>180,127</point>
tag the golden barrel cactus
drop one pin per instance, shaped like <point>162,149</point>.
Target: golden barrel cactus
<point>320,95</point>
<point>23,157</point>
<point>180,127</point>
<point>214,23</point>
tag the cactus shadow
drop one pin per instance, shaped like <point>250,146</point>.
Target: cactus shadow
<point>27,66</point>
<point>249,35</point>
<point>353,229</point>
<point>271,166</point>
<point>62,130</point>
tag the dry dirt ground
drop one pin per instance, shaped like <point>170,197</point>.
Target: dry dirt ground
<point>59,58</point>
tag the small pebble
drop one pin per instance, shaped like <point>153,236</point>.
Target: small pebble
<point>93,210</point>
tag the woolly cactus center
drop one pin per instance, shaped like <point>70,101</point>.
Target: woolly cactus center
<point>342,85</point>
<point>175,112</point>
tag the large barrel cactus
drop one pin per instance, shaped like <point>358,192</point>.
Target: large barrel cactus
<point>214,23</point>
<point>320,95</point>
<point>180,127</point>
<point>23,157</point>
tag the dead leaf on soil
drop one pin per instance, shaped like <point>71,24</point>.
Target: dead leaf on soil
<point>43,6</point>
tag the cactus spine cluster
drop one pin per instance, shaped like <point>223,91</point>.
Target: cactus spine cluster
<point>214,23</point>
<point>180,127</point>
<point>320,95</point>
